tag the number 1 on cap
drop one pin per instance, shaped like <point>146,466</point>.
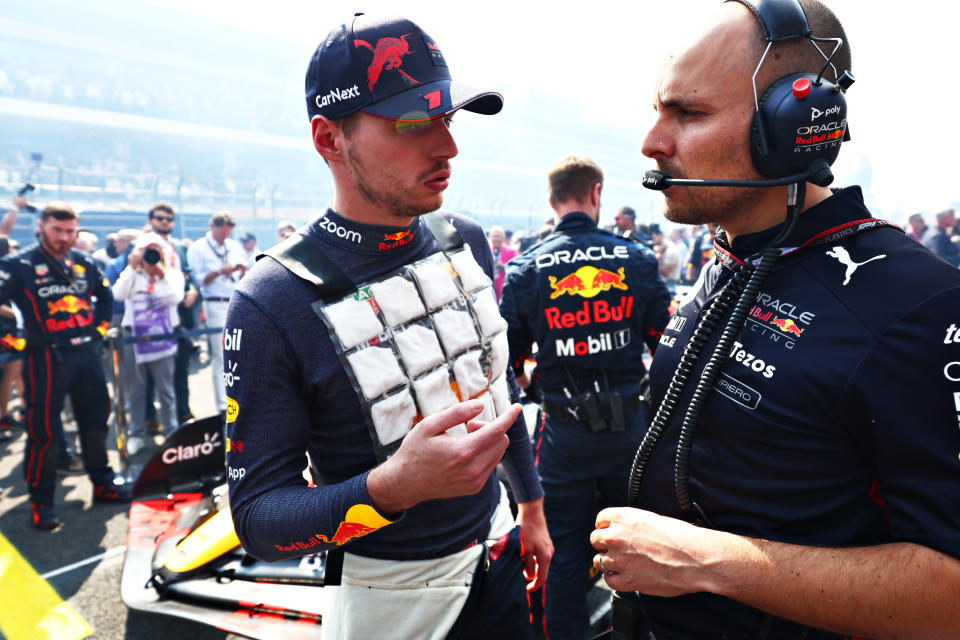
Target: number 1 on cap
<point>433,100</point>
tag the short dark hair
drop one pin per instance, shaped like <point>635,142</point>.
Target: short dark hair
<point>58,211</point>
<point>222,218</point>
<point>627,211</point>
<point>799,55</point>
<point>162,206</point>
<point>348,123</point>
<point>572,178</point>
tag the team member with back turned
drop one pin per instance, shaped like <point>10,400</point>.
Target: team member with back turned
<point>799,479</point>
<point>380,312</point>
<point>593,302</point>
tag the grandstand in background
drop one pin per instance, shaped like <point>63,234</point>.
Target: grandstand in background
<point>116,104</point>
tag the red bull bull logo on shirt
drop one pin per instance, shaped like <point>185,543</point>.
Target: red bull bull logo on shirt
<point>588,281</point>
<point>68,304</point>
<point>787,326</point>
<point>394,240</point>
<point>78,310</point>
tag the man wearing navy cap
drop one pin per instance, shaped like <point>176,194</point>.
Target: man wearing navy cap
<point>431,551</point>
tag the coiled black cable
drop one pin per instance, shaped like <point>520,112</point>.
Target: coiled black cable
<point>746,295</point>
<point>681,470</point>
<point>691,353</point>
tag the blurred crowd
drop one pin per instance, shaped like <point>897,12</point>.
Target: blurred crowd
<point>171,296</point>
<point>683,250</point>
<point>162,286</point>
<point>37,73</point>
<point>156,384</point>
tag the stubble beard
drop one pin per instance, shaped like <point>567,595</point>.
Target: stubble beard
<point>391,195</point>
<point>709,204</point>
<point>700,205</point>
<point>51,247</point>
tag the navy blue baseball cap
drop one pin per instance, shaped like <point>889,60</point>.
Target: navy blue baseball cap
<point>387,67</point>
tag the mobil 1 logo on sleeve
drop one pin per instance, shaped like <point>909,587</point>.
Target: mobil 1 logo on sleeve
<point>230,375</point>
<point>231,339</point>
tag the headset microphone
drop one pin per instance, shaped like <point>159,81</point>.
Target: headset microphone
<point>818,173</point>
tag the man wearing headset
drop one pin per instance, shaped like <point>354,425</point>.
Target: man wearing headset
<point>818,497</point>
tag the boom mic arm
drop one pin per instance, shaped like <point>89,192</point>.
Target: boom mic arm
<point>819,174</point>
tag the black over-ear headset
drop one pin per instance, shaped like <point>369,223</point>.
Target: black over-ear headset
<point>800,120</point>
<point>801,117</point>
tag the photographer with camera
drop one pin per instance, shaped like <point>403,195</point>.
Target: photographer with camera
<point>161,220</point>
<point>151,290</point>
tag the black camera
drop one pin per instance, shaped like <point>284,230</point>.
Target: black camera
<point>24,190</point>
<point>151,256</point>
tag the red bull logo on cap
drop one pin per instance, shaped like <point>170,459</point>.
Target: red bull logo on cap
<point>387,55</point>
<point>588,281</point>
<point>68,304</point>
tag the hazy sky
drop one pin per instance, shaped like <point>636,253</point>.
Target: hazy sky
<point>605,55</point>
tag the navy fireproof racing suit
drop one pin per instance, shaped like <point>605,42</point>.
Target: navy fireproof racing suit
<point>593,302</point>
<point>289,394</point>
<point>834,421</point>
<point>63,306</point>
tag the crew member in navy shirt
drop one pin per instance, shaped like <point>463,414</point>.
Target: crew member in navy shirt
<point>816,495</point>
<point>594,304</point>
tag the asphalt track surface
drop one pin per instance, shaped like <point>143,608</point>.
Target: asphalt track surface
<point>82,559</point>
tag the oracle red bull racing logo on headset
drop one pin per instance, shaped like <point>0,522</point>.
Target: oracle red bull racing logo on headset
<point>587,281</point>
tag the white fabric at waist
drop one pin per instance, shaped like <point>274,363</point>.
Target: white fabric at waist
<point>410,598</point>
